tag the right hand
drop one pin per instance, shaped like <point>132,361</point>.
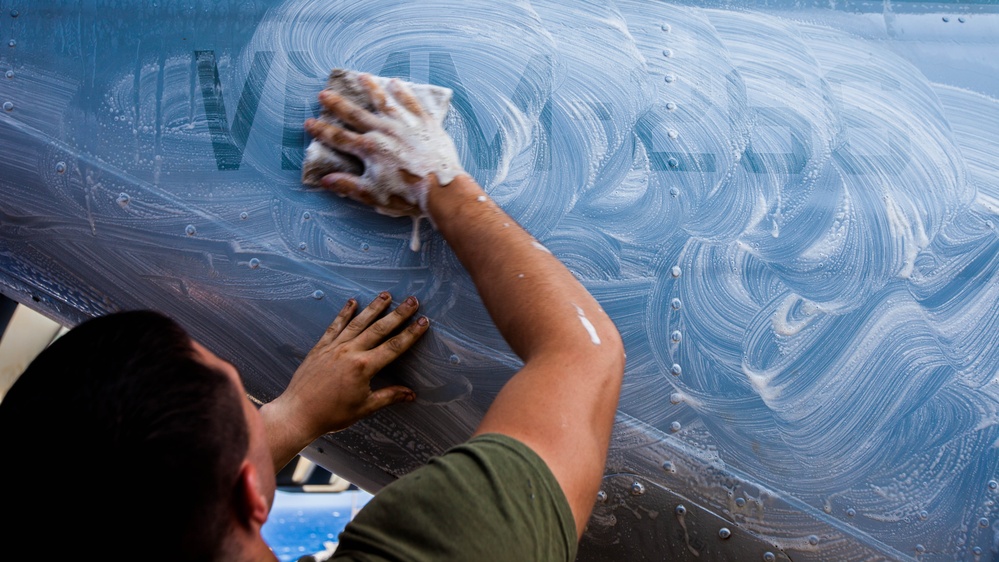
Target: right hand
<point>404,149</point>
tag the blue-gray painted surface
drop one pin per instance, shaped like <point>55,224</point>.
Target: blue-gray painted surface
<point>789,210</point>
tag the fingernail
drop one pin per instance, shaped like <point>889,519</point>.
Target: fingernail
<point>325,94</point>
<point>310,123</point>
<point>351,302</point>
<point>423,321</point>
<point>384,295</point>
<point>411,301</point>
<point>410,397</point>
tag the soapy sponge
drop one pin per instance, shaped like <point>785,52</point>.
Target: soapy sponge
<point>321,160</point>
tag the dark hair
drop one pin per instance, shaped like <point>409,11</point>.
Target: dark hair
<point>117,441</point>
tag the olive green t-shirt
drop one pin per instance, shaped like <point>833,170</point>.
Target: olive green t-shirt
<point>491,498</point>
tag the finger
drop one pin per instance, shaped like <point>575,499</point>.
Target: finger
<point>349,185</point>
<point>339,138</point>
<point>386,397</point>
<point>399,344</point>
<point>377,94</point>
<point>378,331</point>
<point>367,316</point>
<point>340,322</point>
<point>399,207</point>
<point>360,119</point>
<point>405,96</point>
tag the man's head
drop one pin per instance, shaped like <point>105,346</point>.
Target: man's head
<point>126,438</point>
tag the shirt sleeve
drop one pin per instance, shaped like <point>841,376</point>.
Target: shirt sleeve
<point>491,498</point>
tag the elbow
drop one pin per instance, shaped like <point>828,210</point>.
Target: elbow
<point>614,354</point>
<point>607,356</point>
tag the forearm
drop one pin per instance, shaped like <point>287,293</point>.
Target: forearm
<point>536,303</point>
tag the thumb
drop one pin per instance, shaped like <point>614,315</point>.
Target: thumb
<point>386,397</point>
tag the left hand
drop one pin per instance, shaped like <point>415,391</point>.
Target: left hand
<point>331,390</point>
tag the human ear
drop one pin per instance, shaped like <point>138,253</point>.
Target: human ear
<point>254,506</point>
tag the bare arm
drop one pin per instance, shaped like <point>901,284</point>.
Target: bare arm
<point>562,402</point>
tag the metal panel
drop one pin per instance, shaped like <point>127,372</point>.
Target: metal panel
<point>788,208</point>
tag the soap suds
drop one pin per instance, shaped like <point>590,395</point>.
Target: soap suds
<point>590,329</point>
<point>430,154</point>
<point>540,246</point>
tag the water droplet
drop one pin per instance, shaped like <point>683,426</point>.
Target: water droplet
<point>667,52</point>
<point>669,78</point>
<point>676,336</point>
<point>254,263</point>
<point>675,398</point>
<point>724,533</point>
<point>9,74</point>
<point>983,522</point>
<point>365,247</point>
<point>977,551</point>
<point>670,106</point>
<point>961,20</point>
<point>60,167</point>
<point>454,359</point>
<point>674,191</point>
<point>190,230</point>
<point>674,427</point>
<point>12,43</point>
<point>680,510</point>
<point>945,19</point>
<point>675,271</point>
<point>306,215</point>
<point>813,540</point>
<point>302,246</point>
<point>924,515</point>
<point>602,496</point>
<point>14,13</point>
<point>769,557</point>
<point>676,304</point>
<point>676,369</point>
<point>637,488</point>
<point>668,467</point>
<point>851,512</point>
<point>8,106</point>
<point>666,27</point>
<point>993,485</point>
<point>123,199</point>
<point>920,548</point>
<point>318,295</point>
<point>244,215</point>
<point>673,133</point>
<point>740,502</point>
<point>673,162</point>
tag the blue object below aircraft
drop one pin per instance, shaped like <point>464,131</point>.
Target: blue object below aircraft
<point>788,208</point>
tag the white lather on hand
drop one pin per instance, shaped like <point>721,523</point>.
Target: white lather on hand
<point>402,139</point>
